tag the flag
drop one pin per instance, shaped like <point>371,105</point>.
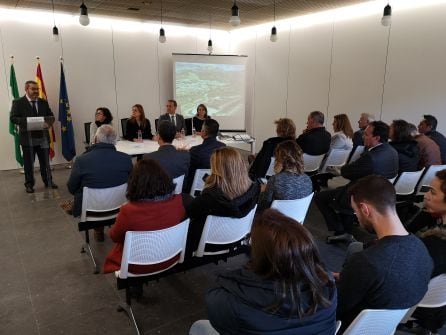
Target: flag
<point>42,95</point>
<point>66,124</point>
<point>13,130</point>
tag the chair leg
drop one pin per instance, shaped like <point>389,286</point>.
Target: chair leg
<point>127,308</point>
<point>86,249</point>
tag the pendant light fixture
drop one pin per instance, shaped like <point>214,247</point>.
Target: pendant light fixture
<point>235,18</point>
<point>273,37</point>
<point>387,16</point>
<point>210,48</point>
<point>83,18</point>
<point>162,37</point>
<point>55,29</point>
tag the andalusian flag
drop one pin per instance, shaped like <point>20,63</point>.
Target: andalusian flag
<point>66,124</point>
<point>42,95</point>
<point>13,129</point>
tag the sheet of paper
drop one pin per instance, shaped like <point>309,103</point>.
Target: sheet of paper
<point>35,123</point>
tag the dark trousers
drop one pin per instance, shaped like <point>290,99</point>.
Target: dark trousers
<point>29,154</point>
<point>337,213</point>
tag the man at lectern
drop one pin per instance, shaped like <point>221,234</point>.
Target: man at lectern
<point>34,117</point>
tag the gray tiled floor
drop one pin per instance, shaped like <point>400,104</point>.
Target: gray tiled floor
<point>48,286</point>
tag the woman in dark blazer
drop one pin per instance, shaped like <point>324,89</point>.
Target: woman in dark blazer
<point>138,122</point>
<point>199,118</point>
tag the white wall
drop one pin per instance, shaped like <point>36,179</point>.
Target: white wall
<point>335,67</point>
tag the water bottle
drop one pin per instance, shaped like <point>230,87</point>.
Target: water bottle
<point>139,135</point>
<point>194,132</point>
<point>183,134</point>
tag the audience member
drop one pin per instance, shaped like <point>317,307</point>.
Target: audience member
<point>228,191</point>
<point>174,162</point>
<point>363,122</point>
<point>290,182</point>
<point>342,138</point>
<point>283,289</point>
<point>429,150</point>
<point>200,154</point>
<point>199,118</point>
<point>285,130</point>
<point>428,127</point>
<point>33,141</point>
<point>138,123</point>
<point>406,146</point>
<point>315,140</point>
<point>172,116</point>
<point>101,117</point>
<point>101,167</point>
<point>379,158</point>
<point>394,272</point>
<point>152,206</point>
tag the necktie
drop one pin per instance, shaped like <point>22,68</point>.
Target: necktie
<point>172,119</point>
<point>34,107</point>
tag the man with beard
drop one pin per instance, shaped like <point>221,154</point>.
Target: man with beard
<point>394,271</point>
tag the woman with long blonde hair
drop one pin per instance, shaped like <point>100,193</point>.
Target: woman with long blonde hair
<point>342,138</point>
<point>228,191</point>
<point>138,123</point>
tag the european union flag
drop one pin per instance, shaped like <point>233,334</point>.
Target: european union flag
<point>66,124</point>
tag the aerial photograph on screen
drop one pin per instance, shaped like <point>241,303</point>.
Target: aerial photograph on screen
<point>220,87</point>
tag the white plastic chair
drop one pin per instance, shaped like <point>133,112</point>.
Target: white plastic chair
<point>428,176</point>
<point>149,248</point>
<point>178,181</point>
<point>376,321</point>
<point>296,209</point>
<point>100,206</point>
<point>224,230</point>
<point>270,172</point>
<point>312,163</point>
<point>407,181</point>
<point>392,180</point>
<point>357,153</point>
<point>336,159</point>
<point>198,182</point>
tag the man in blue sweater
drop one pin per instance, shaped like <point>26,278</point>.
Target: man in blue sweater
<point>393,272</point>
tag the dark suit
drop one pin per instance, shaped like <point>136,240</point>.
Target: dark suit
<point>200,156</point>
<point>441,142</point>
<point>101,167</point>
<point>335,204</point>
<point>33,142</point>
<point>132,127</point>
<point>174,162</point>
<point>315,141</point>
<point>179,121</point>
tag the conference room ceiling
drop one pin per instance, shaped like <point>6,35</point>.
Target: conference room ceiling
<point>196,13</point>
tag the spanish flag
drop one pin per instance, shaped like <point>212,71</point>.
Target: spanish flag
<point>42,95</point>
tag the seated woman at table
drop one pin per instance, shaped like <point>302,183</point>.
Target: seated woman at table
<point>102,116</point>
<point>152,205</point>
<point>198,119</point>
<point>289,182</point>
<point>138,123</point>
<point>228,191</point>
<point>285,130</point>
<point>283,289</point>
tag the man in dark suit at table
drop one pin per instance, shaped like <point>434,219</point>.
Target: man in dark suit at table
<point>200,155</point>
<point>173,117</point>
<point>33,141</point>
<point>174,162</point>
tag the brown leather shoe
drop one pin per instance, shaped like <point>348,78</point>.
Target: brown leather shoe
<point>99,234</point>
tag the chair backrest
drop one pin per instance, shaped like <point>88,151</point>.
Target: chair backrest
<point>87,132</point>
<point>224,230</point>
<point>376,321</point>
<point>357,153</point>
<point>336,158</point>
<point>407,181</point>
<point>178,181</point>
<point>295,209</point>
<point>198,182</point>
<point>188,122</point>
<point>156,124</point>
<point>270,172</point>
<point>153,247</point>
<point>312,163</point>
<point>436,293</point>
<point>124,126</point>
<point>429,175</point>
<point>103,201</point>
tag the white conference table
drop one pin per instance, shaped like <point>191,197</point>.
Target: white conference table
<point>147,146</point>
